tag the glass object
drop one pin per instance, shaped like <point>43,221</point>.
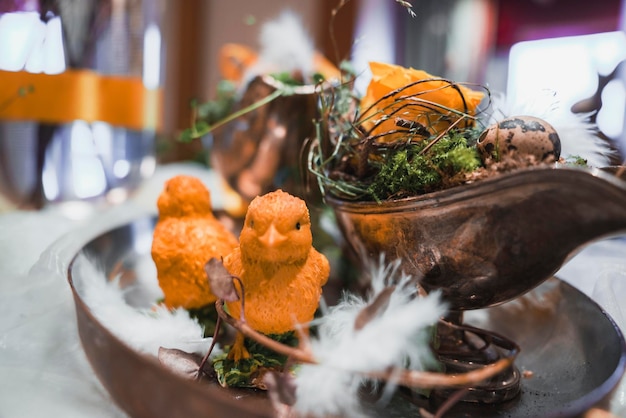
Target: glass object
<point>79,107</point>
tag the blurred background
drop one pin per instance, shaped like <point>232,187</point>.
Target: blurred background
<point>167,51</point>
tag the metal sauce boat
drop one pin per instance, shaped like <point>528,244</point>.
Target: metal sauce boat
<point>488,242</point>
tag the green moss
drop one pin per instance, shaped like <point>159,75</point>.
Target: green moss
<point>246,372</point>
<point>414,170</point>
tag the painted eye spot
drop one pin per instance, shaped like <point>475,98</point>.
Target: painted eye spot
<point>298,226</point>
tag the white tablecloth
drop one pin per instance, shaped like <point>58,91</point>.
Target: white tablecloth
<point>43,370</point>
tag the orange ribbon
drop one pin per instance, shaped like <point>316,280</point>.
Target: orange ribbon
<point>79,95</point>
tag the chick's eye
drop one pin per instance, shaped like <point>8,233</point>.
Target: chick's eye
<point>298,226</point>
<point>251,223</point>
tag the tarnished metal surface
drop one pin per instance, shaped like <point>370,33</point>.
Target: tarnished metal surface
<point>574,351</point>
<point>491,241</point>
<point>261,150</point>
<point>137,382</point>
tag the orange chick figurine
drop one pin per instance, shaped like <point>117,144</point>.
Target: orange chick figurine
<point>281,272</point>
<point>186,236</point>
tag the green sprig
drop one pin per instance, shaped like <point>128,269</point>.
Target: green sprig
<point>201,128</point>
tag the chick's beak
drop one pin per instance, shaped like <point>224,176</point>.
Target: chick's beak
<point>272,237</point>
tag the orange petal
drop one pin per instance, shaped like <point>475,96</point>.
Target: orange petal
<point>234,60</point>
<point>432,103</point>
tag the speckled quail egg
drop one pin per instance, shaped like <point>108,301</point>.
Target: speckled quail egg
<point>520,135</point>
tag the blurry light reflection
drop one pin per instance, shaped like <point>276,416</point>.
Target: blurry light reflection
<point>121,168</point>
<point>152,57</point>
<point>20,34</point>
<point>610,118</point>
<point>28,43</point>
<point>570,67</point>
<point>375,39</point>
<point>50,183</point>
<point>54,55</point>
<point>88,175</point>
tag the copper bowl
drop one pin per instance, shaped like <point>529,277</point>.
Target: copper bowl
<point>137,382</point>
<point>576,352</point>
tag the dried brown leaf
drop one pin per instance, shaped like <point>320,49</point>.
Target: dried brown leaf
<point>180,362</point>
<point>220,280</point>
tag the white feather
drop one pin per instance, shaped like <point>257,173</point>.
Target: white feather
<point>284,47</point>
<point>144,329</point>
<point>393,339</point>
<point>578,134</point>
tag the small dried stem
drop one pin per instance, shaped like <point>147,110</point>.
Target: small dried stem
<point>441,135</point>
<point>331,27</point>
<point>241,326</point>
<point>455,398</point>
<point>242,298</point>
<point>19,93</point>
<point>411,378</point>
<point>434,380</point>
<point>218,324</point>
<point>450,84</point>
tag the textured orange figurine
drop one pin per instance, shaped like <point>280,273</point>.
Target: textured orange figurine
<point>281,272</point>
<point>186,236</point>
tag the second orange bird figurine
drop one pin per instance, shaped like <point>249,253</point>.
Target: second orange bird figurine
<point>186,236</point>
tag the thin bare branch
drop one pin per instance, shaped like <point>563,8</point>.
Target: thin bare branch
<point>240,325</point>
<point>411,378</point>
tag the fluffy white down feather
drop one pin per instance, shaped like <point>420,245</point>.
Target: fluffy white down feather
<point>579,136</point>
<point>284,47</point>
<point>144,329</point>
<point>396,335</point>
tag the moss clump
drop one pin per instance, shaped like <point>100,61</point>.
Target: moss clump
<point>249,372</point>
<point>417,169</point>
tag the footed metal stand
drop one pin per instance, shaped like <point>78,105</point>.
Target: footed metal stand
<point>461,349</point>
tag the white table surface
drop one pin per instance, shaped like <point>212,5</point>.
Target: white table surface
<point>43,369</point>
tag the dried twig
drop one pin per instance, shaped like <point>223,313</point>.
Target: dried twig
<point>411,378</point>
